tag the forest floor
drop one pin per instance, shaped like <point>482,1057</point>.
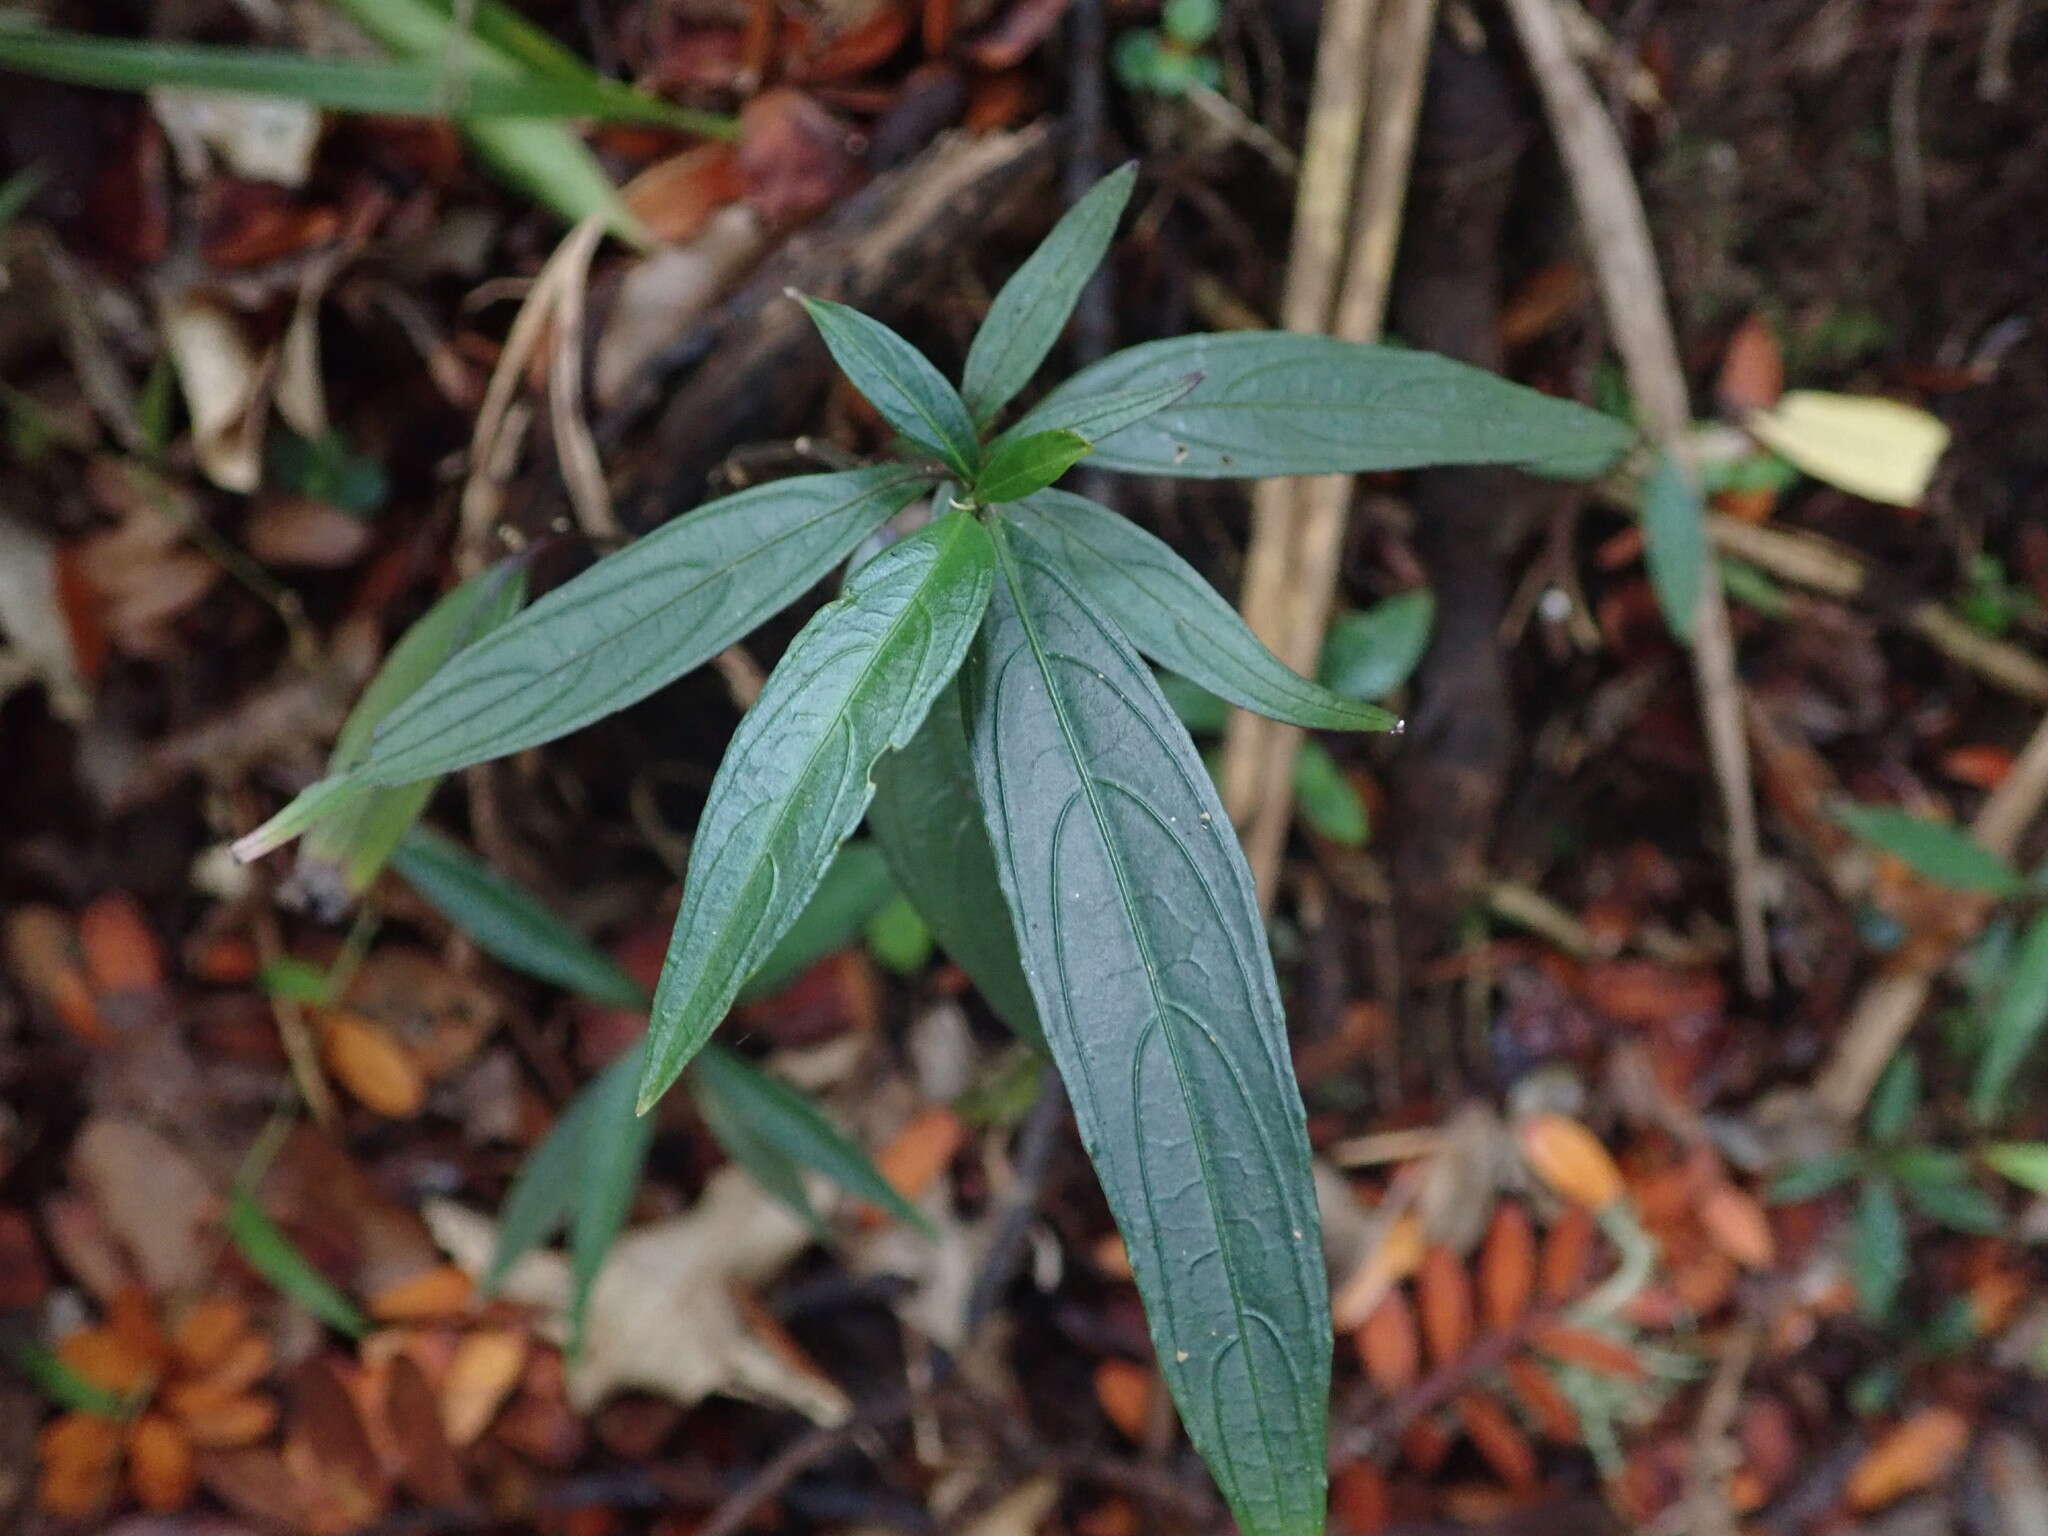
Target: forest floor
<point>255,1132</point>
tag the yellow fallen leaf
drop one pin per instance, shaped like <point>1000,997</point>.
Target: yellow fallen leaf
<point>1874,448</point>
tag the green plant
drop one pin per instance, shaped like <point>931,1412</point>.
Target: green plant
<point>980,681</point>
<point>2013,1007</point>
<point>503,79</point>
<point>1169,59</point>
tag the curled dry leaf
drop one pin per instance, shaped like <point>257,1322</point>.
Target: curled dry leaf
<point>1752,369</point>
<point>121,953</point>
<point>1915,1454</point>
<point>153,1199</point>
<point>793,156</point>
<point>304,531</point>
<point>226,386</point>
<point>1389,1345</point>
<point>1125,1390</point>
<point>1507,1267</point>
<point>381,1074</point>
<point>1570,1159</point>
<point>481,1375</point>
<point>1443,1297</point>
<point>265,138</point>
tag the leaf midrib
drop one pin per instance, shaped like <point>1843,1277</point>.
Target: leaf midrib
<point>1161,1009</point>
<point>659,611</point>
<point>780,819</point>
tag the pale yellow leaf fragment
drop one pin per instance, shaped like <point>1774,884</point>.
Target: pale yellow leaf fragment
<point>1871,447</point>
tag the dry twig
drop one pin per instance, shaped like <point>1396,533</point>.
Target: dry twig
<point>1633,293</point>
<point>1298,524</point>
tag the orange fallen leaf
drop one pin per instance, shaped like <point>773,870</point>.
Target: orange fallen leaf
<point>1361,1504</point>
<point>222,1424</point>
<point>206,1330</point>
<point>161,1473</point>
<point>917,1155</point>
<point>482,1372</point>
<point>1498,1439</point>
<point>1916,1454</point>
<point>1443,1297</point>
<point>1981,767</point>
<point>1570,1159</point>
<point>121,953</point>
<point>1124,1389</point>
<point>443,1291</point>
<point>1567,1256</point>
<point>1544,1401</point>
<point>1426,1444</point>
<point>110,1362</point>
<point>1392,1259</point>
<point>381,1074</point>
<point>79,1461</point>
<point>1752,369</point>
<point>1111,1257</point>
<point>1507,1267</point>
<point>1738,1226</point>
<point>1389,1347</point>
<point>1596,1352</point>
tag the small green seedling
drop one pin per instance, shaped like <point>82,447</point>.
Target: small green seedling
<point>977,693</point>
<point>2015,1004</point>
<point>1169,59</point>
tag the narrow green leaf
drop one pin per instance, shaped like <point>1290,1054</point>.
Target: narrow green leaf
<point>1276,403</point>
<point>359,835</point>
<point>46,1371</point>
<point>1878,1259</point>
<point>1146,955</point>
<point>509,922</point>
<point>1959,1206</point>
<point>1098,416</point>
<point>1017,466</point>
<point>1674,543</point>
<point>1026,318</point>
<point>1815,1177</point>
<point>410,88</point>
<point>767,1164</point>
<point>1164,607</point>
<point>796,781</point>
<point>554,167</point>
<point>855,887</point>
<point>2016,1022</point>
<point>1947,855</point>
<point>635,621</point>
<point>1327,799</point>
<point>612,1151</point>
<point>900,382</point>
<point>552,1179</point>
<point>1368,654</point>
<point>927,818</point>
<point>1925,1166</point>
<point>1896,1098</point>
<point>1200,710</point>
<point>729,1088</point>
<point>2024,1162</point>
<point>272,1255</point>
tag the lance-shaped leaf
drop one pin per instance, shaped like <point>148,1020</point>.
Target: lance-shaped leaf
<point>927,817</point>
<point>1275,403</point>
<point>1164,607</point>
<point>510,923</point>
<point>751,1112</point>
<point>797,779</point>
<point>1674,542</point>
<point>634,621</point>
<point>1947,855</point>
<point>1025,321</point>
<point>1141,938</point>
<point>900,382</point>
<point>352,842</point>
<point>1018,466</point>
<point>1098,416</point>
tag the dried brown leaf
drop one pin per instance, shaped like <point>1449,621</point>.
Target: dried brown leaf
<point>1915,1454</point>
<point>1507,1267</point>
<point>1443,1297</point>
<point>1389,1345</point>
